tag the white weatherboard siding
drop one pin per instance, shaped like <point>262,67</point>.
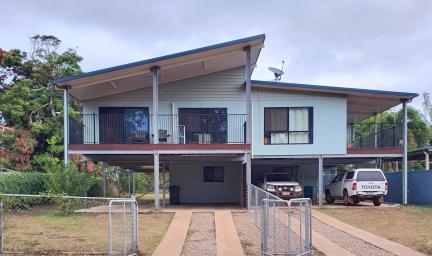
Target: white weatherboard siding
<point>226,90</point>
<point>190,178</point>
<point>329,123</point>
<point>218,90</point>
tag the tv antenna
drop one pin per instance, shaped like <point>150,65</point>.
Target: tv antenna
<point>277,72</point>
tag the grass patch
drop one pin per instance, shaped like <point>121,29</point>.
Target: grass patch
<point>151,230</point>
<point>407,225</point>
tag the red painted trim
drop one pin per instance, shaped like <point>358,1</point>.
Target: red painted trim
<point>145,147</point>
<point>352,151</point>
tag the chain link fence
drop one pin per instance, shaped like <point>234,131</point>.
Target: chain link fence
<point>53,225</point>
<point>255,203</point>
<point>286,226</point>
<point>123,227</point>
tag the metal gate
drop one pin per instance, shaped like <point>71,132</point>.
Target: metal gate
<point>286,227</point>
<point>123,227</point>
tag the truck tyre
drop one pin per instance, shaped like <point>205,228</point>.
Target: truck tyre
<point>329,199</point>
<point>376,201</point>
<point>346,198</point>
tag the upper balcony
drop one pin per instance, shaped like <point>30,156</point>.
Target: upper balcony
<point>135,127</point>
<point>375,138</point>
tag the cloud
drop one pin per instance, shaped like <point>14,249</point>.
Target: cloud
<point>368,44</point>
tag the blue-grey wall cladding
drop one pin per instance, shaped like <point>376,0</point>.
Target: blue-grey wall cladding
<point>419,187</point>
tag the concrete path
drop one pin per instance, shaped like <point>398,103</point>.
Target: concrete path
<point>227,240</point>
<point>378,241</point>
<point>172,243</point>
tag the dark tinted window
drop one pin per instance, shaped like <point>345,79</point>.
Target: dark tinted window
<point>349,175</point>
<point>337,178</point>
<point>213,174</point>
<point>370,176</point>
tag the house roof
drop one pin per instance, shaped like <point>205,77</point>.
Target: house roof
<point>362,103</point>
<point>418,154</point>
<point>177,66</point>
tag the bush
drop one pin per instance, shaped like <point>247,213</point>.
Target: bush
<point>31,183</point>
<point>68,181</point>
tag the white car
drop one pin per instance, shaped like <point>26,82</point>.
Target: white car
<point>358,185</point>
<point>279,184</point>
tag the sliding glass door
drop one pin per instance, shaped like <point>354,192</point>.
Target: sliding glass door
<point>118,125</point>
<point>204,125</point>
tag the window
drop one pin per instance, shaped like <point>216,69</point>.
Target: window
<point>288,125</point>
<point>337,178</point>
<point>370,176</point>
<point>213,174</point>
<point>349,176</point>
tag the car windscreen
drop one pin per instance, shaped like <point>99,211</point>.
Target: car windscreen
<point>370,176</point>
<point>277,177</point>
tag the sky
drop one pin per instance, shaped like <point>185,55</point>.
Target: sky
<point>381,44</point>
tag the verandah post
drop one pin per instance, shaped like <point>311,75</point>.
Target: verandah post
<point>155,127</point>
<point>248,120</point>
<point>66,124</point>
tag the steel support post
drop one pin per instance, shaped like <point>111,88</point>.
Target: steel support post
<point>155,101</point>
<point>66,125</point>
<point>405,155</point>
<point>156,180</point>
<point>320,180</point>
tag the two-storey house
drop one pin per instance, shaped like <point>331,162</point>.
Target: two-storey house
<point>198,115</point>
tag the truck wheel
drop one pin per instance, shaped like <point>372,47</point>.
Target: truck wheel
<point>346,198</point>
<point>329,199</point>
<point>376,201</point>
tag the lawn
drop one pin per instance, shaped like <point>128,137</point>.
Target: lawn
<point>51,233</point>
<point>410,225</point>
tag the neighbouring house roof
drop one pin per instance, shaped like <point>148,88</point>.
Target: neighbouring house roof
<point>419,154</point>
<point>173,67</point>
<point>362,103</point>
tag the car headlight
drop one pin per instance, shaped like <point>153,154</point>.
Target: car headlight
<point>298,188</point>
<point>270,188</point>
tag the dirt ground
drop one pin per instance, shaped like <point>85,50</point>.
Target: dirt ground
<point>410,225</point>
<point>78,233</point>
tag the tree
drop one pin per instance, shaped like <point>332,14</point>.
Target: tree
<point>427,108</point>
<point>29,101</point>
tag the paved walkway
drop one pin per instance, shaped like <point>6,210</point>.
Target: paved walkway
<point>372,239</point>
<point>227,241</point>
<point>172,243</point>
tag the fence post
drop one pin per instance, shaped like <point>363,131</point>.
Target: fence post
<point>134,216</point>
<point>264,228</point>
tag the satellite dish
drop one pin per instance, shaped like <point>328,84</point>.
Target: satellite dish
<point>277,72</point>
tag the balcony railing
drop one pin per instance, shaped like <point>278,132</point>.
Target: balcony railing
<point>363,136</point>
<point>173,129</point>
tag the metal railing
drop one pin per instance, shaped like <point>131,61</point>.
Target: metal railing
<point>173,129</point>
<point>286,226</point>
<point>47,224</point>
<point>363,135</point>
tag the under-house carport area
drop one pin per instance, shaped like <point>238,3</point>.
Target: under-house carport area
<point>306,171</point>
<point>188,179</point>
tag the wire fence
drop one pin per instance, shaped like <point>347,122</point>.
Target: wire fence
<point>286,226</point>
<point>52,225</point>
<point>123,227</point>
<point>255,203</point>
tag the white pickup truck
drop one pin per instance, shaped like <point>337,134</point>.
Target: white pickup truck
<point>280,185</point>
<point>358,185</point>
